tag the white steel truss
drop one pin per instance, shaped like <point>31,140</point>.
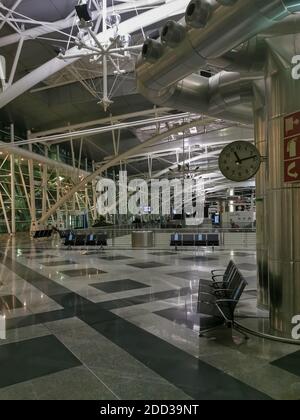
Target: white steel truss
<point>153,11</point>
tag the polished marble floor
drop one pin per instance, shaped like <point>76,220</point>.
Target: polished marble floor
<point>120,324</point>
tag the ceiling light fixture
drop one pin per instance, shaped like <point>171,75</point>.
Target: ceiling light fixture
<point>83,13</point>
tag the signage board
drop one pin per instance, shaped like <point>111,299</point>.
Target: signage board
<point>292,148</point>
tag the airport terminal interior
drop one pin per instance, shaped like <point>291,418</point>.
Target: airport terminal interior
<point>149,200</point>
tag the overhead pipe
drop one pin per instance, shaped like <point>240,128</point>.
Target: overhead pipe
<point>229,89</point>
<point>250,56</point>
<point>224,96</point>
<point>287,26</point>
<point>224,25</point>
<point>247,58</point>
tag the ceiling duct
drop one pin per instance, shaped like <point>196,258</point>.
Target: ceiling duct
<point>211,30</point>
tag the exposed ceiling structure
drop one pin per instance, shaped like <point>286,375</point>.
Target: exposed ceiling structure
<point>54,86</point>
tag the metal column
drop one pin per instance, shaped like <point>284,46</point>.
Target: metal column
<point>283,199</point>
<point>13,183</point>
<point>260,130</point>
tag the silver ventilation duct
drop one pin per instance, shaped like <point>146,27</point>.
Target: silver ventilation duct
<point>223,28</point>
<point>224,96</point>
<point>212,29</point>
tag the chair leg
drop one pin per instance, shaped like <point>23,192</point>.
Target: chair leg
<point>203,333</point>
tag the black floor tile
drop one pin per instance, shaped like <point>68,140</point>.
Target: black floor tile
<point>181,316</point>
<point>94,314</point>
<point>145,265</point>
<point>141,299</point>
<point>58,263</point>
<point>9,302</point>
<point>71,300</point>
<point>119,286</point>
<point>114,258</point>
<point>48,287</point>
<point>290,363</point>
<point>26,360</point>
<point>191,320</point>
<point>35,319</point>
<point>82,272</point>
<point>45,285</point>
<point>196,378</point>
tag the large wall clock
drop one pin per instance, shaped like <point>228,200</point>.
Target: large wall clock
<point>239,161</point>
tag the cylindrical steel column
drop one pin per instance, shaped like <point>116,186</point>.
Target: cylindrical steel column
<point>260,132</point>
<point>13,183</point>
<point>142,239</point>
<point>283,199</point>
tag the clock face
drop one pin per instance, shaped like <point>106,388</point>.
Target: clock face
<point>239,161</point>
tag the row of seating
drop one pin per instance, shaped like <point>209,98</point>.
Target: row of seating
<point>219,296</point>
<point>73,239</point>
<point>65,233</point>
<point>210,239</point>
<point>42,234</point>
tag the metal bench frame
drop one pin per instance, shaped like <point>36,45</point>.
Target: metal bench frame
<point>218,297</point>
<point>195,242</point>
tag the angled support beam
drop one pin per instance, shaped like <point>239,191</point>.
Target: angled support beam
<point>85,133</point>
<point>60,25</point>
<point>9,22</point>
<point>53,66</point>
<point>49,205</point>
<point>24,185</point>
<point>15,63</point>
<point>116,160</point>
<point>102,121</point>
<point>4,213</point>
<point>14,7</point>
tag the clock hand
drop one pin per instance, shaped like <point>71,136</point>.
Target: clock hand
<point>247,158</point>
<point>238,159</point>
